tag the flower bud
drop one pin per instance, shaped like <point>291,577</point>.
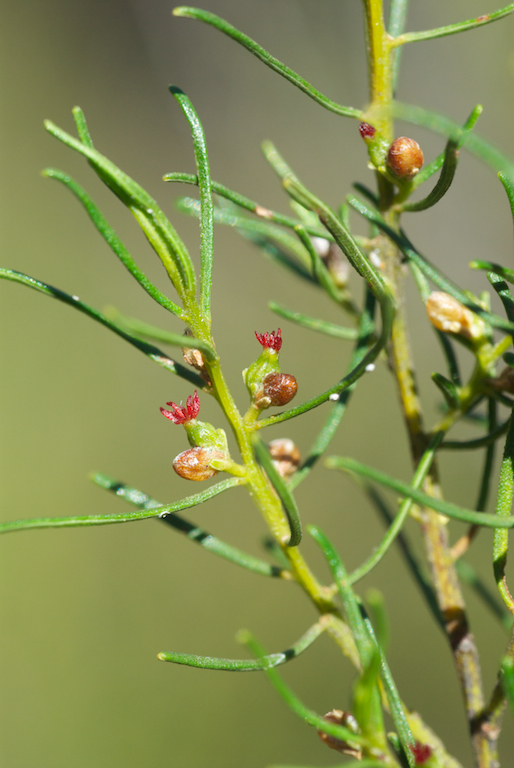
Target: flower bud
<point>266,363</point>
<point>277,389</point>
<point>504,382</point>
<point>285,455</point>
<point>377,146</point>
<point>449,315</point>
<point>404,158</point>
<point>194,464</point>
<point>338,717</point>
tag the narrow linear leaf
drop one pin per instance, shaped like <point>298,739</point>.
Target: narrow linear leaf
<point>508,185</point>
<point>111,238</point>
<point>453,29</point>
<point>477,442</point>
<point>507,680</point>
<point>319,270</point>
<point>248,205</point>
<point>504,499</point>
<point>396,706</point>
<point>284,494</point>
<point>365,331</point>
<point>138,327</point>
<point>423,499</point>
<point>350,603</point>
<point>81,124</point>
<point>396,26</point>
<point>441,124</point>
<point>153,511</point>
<point>505,296</point>
<point>448,389</point>
<point>397,524</point>
<point>407,551</point>
<point>449,167</point>
<point>339,731</point>
<point>157,228</point>
<point>247,665</point>
<point>428,269</point>
<point>73,301</point>
<point>322,326</point>
<point>268,59</point>
<point>204,184</point>
<point>191,531</point>
<point>245,224</point>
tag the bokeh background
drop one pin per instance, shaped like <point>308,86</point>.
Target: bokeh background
<point>84,612</point>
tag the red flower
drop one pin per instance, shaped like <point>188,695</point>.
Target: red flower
<point>270,340</point>
<point>421,752</point>
<point>179,414</point>
<point>366,131</point>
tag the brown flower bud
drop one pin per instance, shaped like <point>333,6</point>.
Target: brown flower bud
<point>505,381</point>
<point>449,315</point>
<point>338,717</point>
<point>194,464</point>
<point>404,157</point>
<point>285,455</point>
<point>277,389</point>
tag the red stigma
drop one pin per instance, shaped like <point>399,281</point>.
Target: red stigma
<point>181,414</point>
<point>421,752</point>
<point>367,131</point>
<point>270,340</point>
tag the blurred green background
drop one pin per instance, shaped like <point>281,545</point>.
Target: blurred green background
<point>84,612</point>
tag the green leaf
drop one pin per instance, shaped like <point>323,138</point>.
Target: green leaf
<point>443,125</point>
<point>339,731</point>
<point>158,230</point>
<point>247,204</point>
<point>507,680</point>
<point>319,270</point>
<point>247,665</point>
<point>73,301</point>
<point>322,326</point>
<point>449,166</point>
<point>396,26</point>
<point>428,269</point>
<point>396,526</point>
<point>150,511</point>
<point>508,185</point>
<point>453,29</point>
<point>350,602</point>
<point>138,327</point>
<point>268,59</point>
<point>502,289</point>
<point>111,238</point>
<point>423,499</point>
<point>477,442</point>
<point>284,494</point>
<point>505,496</point>
<point>247,225</point>
<point>448,389</point>
<point>365,331</point>
<point>204,183</point>
<point>191,531</point>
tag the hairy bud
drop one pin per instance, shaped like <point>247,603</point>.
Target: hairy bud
<point>338,717</point>
<point>285,455</point>
<point>194,464</point>
<point>404,158</point>
<point>449,315</point>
